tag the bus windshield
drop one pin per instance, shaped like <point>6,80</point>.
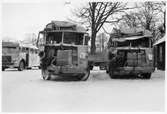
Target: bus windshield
<point>54,37</point>
<point>8,50</point>
<point>141,42</point>
<point>73,38</point>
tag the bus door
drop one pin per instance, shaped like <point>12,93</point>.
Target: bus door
<point>33,58</point>
<point>27,57</point>
<point>36,58</point>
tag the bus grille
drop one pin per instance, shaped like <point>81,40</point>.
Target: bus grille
<point>64,57</point>
<point>67,57</point>
<point>74,57</point>
<point>6,59</point>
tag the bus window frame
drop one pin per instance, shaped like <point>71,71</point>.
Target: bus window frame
<point>63,37</point>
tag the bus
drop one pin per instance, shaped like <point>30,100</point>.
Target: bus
<point>131,55</point>
<point>20,56</point>
<point>64,51</point>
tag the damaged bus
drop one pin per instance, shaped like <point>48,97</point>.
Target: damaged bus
<point>131,55</point>
<point>64,51</point>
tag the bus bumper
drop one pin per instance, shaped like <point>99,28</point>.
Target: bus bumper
<point>132,70</point>
<point>66,70</point>
<point>9,65</point>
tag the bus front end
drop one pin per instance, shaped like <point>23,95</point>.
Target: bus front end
<point>131,55</point>
<point>67,61</point>
<point>131,62</point>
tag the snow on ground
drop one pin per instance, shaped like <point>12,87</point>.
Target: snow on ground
<point>26,92</point>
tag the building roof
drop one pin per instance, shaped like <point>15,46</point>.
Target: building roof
<point>16,44</point>
<point>10,44</point>
<point>160,40</point>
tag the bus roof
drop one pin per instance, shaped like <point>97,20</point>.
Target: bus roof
<point>130,38</point>
<point>130,48</point>
<point>63,26</point>
<point>28,46</point>
<point>76,31</point>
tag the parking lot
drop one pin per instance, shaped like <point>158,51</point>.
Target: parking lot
<point>26,91</point>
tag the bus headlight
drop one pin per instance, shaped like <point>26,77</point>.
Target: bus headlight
<point>83,55</point>
<point>41,54</point>
<point>150,56</point>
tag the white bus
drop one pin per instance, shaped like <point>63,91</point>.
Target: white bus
<point>21,56</point>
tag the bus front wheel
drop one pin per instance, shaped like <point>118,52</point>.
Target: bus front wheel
<point>21,66</point>
<point>147,76</point>
<point>84,76</point>
<point>3,69</point>
<point>45,74</point>
<point>112,76</point>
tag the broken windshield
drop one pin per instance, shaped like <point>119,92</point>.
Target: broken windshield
<point>73,38</point>
<point>54,38</point>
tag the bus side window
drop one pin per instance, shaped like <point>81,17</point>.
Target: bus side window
<point>27,50</point>
<point>31,50</point>
<point>19,48</point>
<point>22,49</point>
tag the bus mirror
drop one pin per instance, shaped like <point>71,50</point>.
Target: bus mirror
<point>41,54</point>
<point>87,38</point>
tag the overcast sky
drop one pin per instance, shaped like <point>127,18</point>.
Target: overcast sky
<point>19,19</point>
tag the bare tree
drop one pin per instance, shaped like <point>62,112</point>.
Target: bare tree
<point>98,13</point>
<point>161,7</point>
<point>146,16</point>
<point>130,20</point>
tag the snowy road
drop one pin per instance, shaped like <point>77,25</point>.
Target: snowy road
<point>26,91</point>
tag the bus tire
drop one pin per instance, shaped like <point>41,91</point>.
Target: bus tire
<point>84,76</point>
<point>45,74</point>
<point>3,68</point>
<point>112,76</point>
<point>107,71</point>
<point>147,76</point>
<point>21,66</point>
<point>91,67</point>
<point>29,68</point>
<point>102,67</point>
<point>39,67</point>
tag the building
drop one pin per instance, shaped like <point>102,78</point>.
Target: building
<point>159,53</point>
<point>101,42</point>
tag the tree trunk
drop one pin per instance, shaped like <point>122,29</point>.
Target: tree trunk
<point>147,27</point>
<point>93,40</point>
<point>93,28</point>
<point>164,22</point>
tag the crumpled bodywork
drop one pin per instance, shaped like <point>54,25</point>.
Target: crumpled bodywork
<point>65,59</point>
